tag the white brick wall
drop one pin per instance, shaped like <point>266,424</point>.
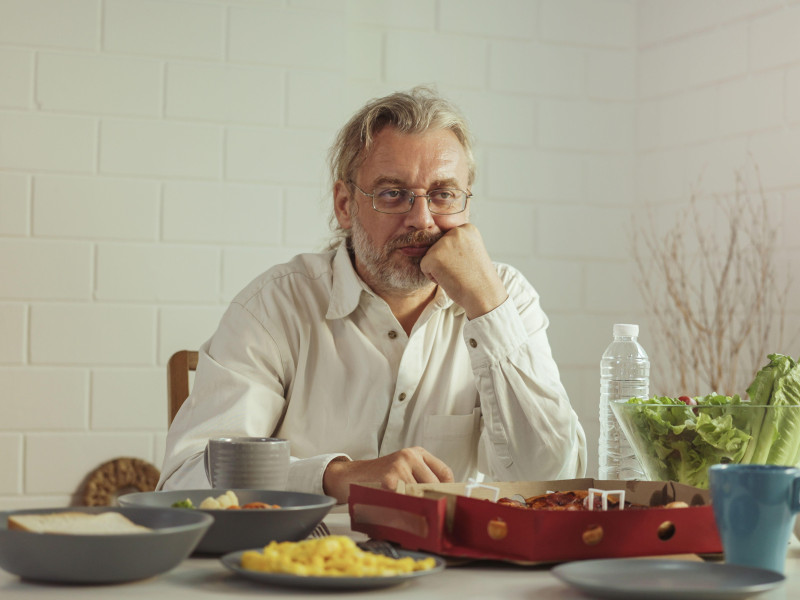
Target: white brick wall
<point>187,326</point>
<point>501,18</point>
<point>11,474</point>
<point>461,58</point>
<point>549,175</point>
<point>16,71</point>
<point>793,95</point>
<point>537,68</point>
<point>488,117</point>
<point>160,149</point>
<point>89,334</point>
<point>241,265</point>
<point>287,37</point>
<point>754,103</point>
<point>77,456</point>
<point>50,270</point>
<point>767,32</point>
<point>37,142</point>
<point>49,399</point>
<point>506,227</point>
<point>99,84</point>
<point>14,208</point>
<point>70,25</point>
<point>584,125</point>
<point>150,27</point>
<point>276,155</point>
<point>95,208</point>
<point>156,155</point>
<point>157,273</point>
<point>777,153</point>
<point>222,213</point>
<point>660,21</point>
<point>610,179</point>
<point>610,23</point>
<point>13,342</point>
<point>387,13</point>
<point>230,93</point>
<point>128,399</point>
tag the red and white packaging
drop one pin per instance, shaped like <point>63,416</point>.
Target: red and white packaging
<point>463,520</point>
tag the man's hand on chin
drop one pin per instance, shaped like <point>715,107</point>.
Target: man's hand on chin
<point>460,263</point>
<point>410,465</point>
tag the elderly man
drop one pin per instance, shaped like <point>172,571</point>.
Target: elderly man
<point>403,353</point>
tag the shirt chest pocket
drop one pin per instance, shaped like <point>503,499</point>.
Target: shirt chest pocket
<point>454,439</point>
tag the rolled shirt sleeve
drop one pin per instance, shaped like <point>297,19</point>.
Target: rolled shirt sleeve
<point>530,430</point>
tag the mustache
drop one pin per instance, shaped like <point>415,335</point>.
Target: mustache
<point>415,238</point>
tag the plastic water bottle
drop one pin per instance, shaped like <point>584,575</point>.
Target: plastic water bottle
<point>624,374</point>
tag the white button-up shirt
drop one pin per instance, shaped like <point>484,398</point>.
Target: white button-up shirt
<point>308,352</point>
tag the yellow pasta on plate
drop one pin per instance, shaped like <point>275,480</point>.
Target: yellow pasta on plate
<point>331,556</point>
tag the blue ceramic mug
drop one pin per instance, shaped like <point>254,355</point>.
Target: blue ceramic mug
<point>755,508</point>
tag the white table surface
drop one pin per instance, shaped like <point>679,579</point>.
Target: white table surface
<point>207,578</point>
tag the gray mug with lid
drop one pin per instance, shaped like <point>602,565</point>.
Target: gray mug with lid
<point>260,463</point>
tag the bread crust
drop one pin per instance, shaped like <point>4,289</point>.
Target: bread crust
<point>76,523</point>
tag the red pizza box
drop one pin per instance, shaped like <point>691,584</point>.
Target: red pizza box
<point>458,519</point>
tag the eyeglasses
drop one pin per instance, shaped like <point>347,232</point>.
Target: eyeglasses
<point>397,201</point>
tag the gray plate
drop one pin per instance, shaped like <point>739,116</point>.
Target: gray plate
<point>240,529</point>
<point>666,579</point>
<point>234,559</point>
<point>69,558</point>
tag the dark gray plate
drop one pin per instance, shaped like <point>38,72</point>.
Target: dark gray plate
<point>69,558</point>
<point>234,559</point>
<point>240,529</point>
<point>656,579</point>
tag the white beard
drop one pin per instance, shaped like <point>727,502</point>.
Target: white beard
<point>389,270</point>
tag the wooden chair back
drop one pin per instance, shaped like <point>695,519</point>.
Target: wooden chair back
<point>178,368</point>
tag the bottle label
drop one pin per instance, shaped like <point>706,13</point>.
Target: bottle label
<point>624,390</point>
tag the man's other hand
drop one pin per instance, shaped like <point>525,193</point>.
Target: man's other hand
<point>409,465</point>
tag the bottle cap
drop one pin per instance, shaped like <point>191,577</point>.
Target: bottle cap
<point>626,329</point>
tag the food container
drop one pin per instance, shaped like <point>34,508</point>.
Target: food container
<point>461,520</point>
<point>102,558</point>
<point>679,442</point>
<point>296,517</point>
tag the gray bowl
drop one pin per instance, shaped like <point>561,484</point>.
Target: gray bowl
<point>113,558</point>
<point>235,530</point>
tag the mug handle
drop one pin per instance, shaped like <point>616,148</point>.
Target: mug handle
<point>208,475</point>
<point>795,506</point>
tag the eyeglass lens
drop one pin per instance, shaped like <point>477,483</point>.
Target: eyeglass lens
<point>396,200</point>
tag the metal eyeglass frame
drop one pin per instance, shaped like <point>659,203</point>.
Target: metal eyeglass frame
<point>413,198</point>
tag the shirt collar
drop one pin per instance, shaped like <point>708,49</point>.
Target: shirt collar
<point>347,288</point>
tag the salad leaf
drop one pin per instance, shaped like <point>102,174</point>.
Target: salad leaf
<point>778,435</point>
<point>786,392</point>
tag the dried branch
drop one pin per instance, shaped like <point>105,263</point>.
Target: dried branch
<point>717,305</point>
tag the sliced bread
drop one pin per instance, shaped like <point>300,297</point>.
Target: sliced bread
<point>77,523</point>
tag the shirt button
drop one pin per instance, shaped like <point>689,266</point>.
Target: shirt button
<point>392,334</point>
<point>402,396</point>
<point>473,343</point>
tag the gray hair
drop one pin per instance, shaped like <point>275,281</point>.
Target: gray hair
<point>419,110</point>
